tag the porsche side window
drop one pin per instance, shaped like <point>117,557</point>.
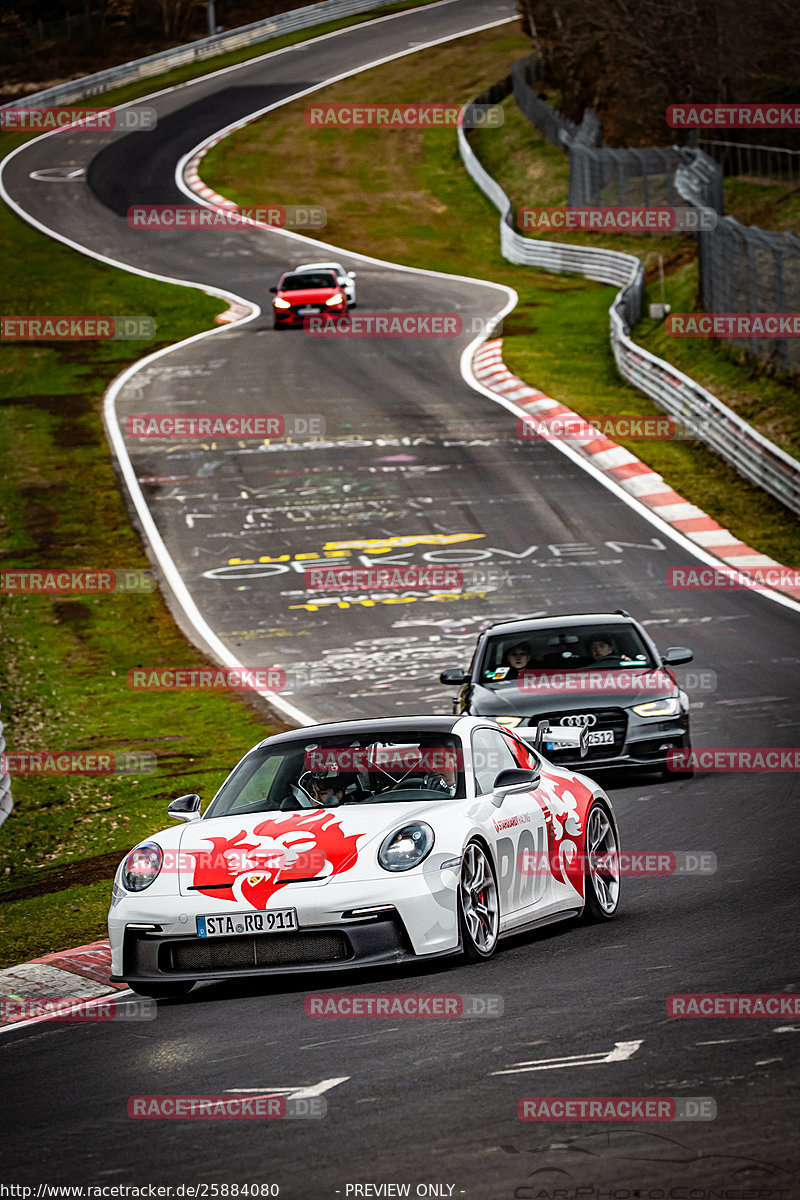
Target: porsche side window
<point>491,754</point>
<point>524,756</point>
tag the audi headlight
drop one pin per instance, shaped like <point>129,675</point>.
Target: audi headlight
<point>142,866</point>
<point>509,722</point>
<point>336,298</point>
<point>406,847</point>
<point>658,708</point>
<point>279,302</point>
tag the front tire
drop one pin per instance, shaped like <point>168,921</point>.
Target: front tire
<point>478,904</point>
<point>161,991</point>
<point>601,865</point>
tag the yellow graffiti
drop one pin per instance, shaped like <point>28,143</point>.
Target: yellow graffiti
<point>432,539</point>
<point>315,606</point>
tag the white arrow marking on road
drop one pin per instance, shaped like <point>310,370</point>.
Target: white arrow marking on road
<point>296,1093</point>
<point>621,1051</point>
<point>58,174</point>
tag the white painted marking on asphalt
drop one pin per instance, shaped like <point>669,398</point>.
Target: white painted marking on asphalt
<point>620,1052</point>
<point>58,174</point>
<point>297,1093</point>
<point>764,1062</point>
<point>787,1029</point>
<point>356,1037</point>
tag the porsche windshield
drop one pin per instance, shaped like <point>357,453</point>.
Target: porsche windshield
<point>330,772</point>
<point>573,648</point>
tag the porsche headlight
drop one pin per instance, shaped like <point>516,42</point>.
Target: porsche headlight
<point>658,708</point>
<point>406,847</point>
<point>142,866</point>
<point>509,722</point>
<point>336,298</point>
<point>279,302</point>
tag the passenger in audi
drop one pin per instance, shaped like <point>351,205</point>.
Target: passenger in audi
<point>517,659</point>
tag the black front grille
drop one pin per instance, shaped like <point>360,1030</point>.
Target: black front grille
<point>614,719</point>
<point>261,950</point>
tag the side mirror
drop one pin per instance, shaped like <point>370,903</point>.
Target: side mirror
<point>676,655</point>
<point>185,808</point>
<point>561,737</point>
<point>454,675</point>
<point>273,289</point>
<point>514,779</point>
<point>351,274</point>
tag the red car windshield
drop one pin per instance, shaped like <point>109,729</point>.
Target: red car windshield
<point>307,280</point>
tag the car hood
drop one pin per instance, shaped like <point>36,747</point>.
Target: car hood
<point>512,701</point>
<point>247,858</point>
<point>308,295</point>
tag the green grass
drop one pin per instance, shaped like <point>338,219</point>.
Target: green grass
<point>404,196</point>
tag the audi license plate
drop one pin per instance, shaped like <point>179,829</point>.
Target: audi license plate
<point>277,920</point>
<point>602,737</point>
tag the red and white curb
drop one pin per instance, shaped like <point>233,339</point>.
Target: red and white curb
<point>192,177</point>
<point>78,975</point>
<point>619,464</point>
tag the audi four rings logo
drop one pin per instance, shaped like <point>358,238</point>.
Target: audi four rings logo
<point>580,719</point>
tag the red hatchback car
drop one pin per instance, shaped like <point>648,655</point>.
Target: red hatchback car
<point>306,294</point>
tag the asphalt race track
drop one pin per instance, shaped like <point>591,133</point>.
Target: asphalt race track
<point>412,452</point>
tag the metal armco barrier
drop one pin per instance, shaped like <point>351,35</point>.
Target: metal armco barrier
<point>165,60</point>
<point>6,803</point>
<point>753,456</point>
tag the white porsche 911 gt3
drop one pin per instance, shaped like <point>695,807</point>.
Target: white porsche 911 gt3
<point>364,843</point>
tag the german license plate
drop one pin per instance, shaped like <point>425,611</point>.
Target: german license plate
<point>308,309</point>
<point>602,737</point>
<point>277,920</point>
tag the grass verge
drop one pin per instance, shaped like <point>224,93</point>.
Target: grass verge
<point>404,196</point>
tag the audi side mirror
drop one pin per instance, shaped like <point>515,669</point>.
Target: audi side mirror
<point>454,675</point>
<point>514,779</point>
<point>676,655</point>
<point>185,808</point>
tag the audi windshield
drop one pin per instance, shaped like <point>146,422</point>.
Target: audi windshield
<point>573,648</point>
<point>329,772</point>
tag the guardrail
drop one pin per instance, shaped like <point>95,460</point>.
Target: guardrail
<point>752,455</point>
<point>178,56</point>
<point>6,803</point>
